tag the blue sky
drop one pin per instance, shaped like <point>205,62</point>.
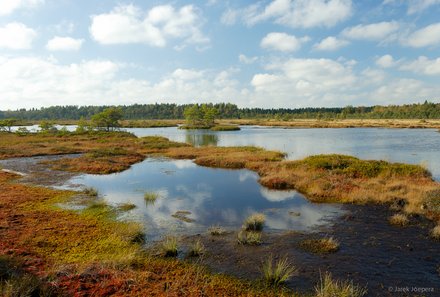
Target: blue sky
<point>269,53</point>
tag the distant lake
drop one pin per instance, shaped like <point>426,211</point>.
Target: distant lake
<point>413,146</point>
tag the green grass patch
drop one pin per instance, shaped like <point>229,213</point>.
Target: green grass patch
<point>169,246</point>
<point>356,168</point>
<point>249,238</point>
<point>197,249</point>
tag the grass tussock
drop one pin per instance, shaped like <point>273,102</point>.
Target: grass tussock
<point>254,222</point>
<point>399,219</point>
<point>126,206</point>
<point>249,238</point>
<point>197,249</point>
<point>150,197</point>
<point>217,231</point>
<point>92,192</point>
<point>169,246</point>
<point>276,273</point>
<point>320,246</point>
<point>328,287</point>
<point>435,232</point>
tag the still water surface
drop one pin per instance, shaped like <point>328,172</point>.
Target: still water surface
<point>414,146</point>
<point>210,196</point>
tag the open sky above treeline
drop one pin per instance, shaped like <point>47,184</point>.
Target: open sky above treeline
<point>269,53</point>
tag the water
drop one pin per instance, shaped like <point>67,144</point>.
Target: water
<point>413,146</point>
<point>210,196</point>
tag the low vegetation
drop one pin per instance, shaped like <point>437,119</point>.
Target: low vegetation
<point>150,197</point>
<point>197,249</point>
<point>254,222</point>
<point>329,287</point>
<point>169,246</point>
<point>92,192</point>
<point>320,246</point>
<point>435,232</point>
<point>126,206</point>
<point>399,219</point>
<point>276,273</point>
<point>249,237</point>
<point>217,230</point>
<point>225,128</point>
<point>55,252</point>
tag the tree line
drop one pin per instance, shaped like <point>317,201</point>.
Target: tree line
<point>426,110</point>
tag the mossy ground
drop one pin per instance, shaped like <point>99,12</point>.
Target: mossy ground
<point>90,254</point>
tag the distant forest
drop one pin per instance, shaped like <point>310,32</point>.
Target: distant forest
<point>426,110</point>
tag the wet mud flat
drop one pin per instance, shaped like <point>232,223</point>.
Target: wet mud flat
<point>35,171</point>
<point>388,260</point>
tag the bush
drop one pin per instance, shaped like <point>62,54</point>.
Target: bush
<point>170,246</point>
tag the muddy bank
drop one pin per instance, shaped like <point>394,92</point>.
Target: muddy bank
<point>34,170</point>
<point>372,253</point>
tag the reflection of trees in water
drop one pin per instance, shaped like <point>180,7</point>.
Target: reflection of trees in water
<point>201,139</point>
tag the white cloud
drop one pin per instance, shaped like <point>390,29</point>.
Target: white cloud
<point>16,36</point>
<point>304,82</point>
<point>247,60</point>
<point>129,24</point>
<point>36,82</point>
<point>282,42</point>
<point>10,6</point>
<point>373,32</point>
<point>423,65</point>
<point>385,61</point>
<point>229,17</point>
<point>427,36</point>
<point>294,13</point>
<point>331,44</point>
<point>64,44</point>
<point>417,6</point>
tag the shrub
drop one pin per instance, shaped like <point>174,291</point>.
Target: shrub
<point>255,222</point>
<point>330,288</point>
<point>277,273</point>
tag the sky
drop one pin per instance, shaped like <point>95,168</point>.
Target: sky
<point>268,53</point>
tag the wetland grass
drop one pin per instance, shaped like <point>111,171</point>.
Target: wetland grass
<point>197,249</point>
<point>254,222</point>
<point>276,273</point>
<point>92,192</point>
<point>217,231</point>
<point>435,232</point>
<point>249,237</point>
<point>169,246</point>
<point>126,206</point>
<point>328,287</point>
<point>150,197</point>
<point>320,246</point>
<point>399,219</point>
